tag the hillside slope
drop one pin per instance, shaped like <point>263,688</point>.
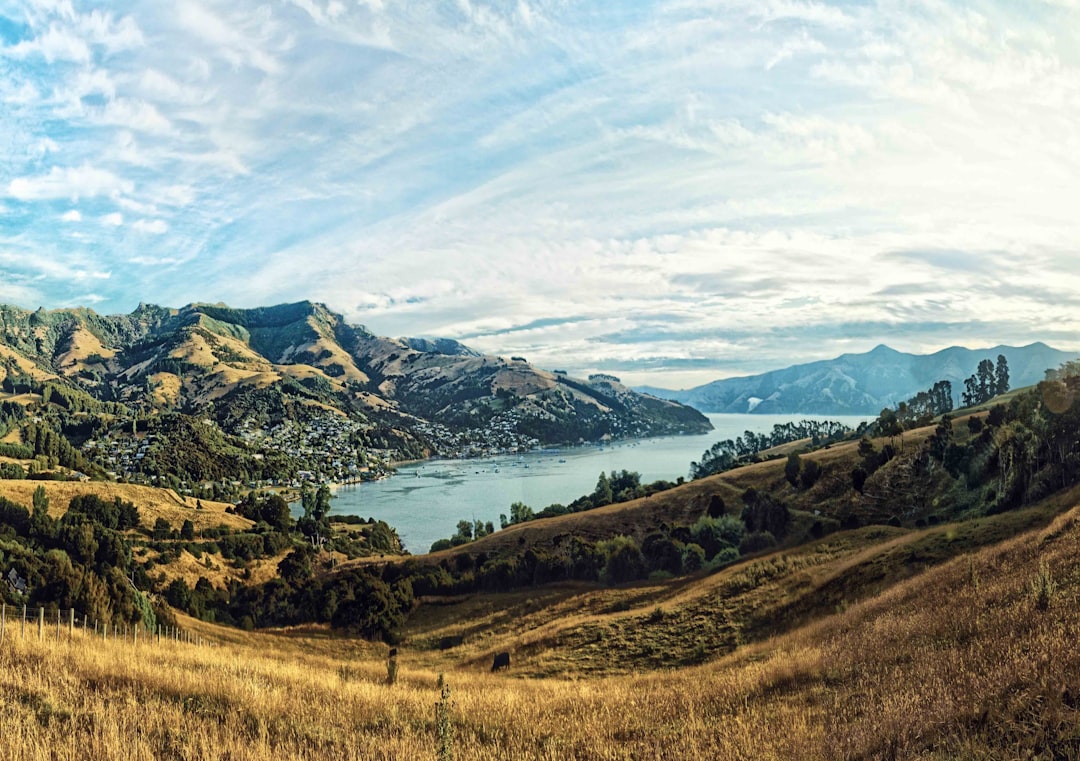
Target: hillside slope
<point>960,660</point>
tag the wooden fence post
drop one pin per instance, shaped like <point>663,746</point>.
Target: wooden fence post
<point>104,630</point>
<point>71,625</point>
<point>41,624</point>
<point>23,622</point>
<point>57,624</point>
<point>3,619</point>
<point>135,635</point>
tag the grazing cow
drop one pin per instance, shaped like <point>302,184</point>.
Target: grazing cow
<point>502,661</point>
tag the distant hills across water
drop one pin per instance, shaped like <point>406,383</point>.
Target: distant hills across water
<point>861,384</point>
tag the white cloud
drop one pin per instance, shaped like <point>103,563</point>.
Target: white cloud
<point>666,176</point>
<point>71,215</point>
<point>153,226</point>
<point>68,182</point>
<point>56,44</point>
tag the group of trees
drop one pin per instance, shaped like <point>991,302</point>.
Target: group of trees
<point>727,454</point>
<point>987,382</point>
<point>81,561</point>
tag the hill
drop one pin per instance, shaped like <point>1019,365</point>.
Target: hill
<point>861,384</point>
<point>965,658</point>
<point>208,393</point>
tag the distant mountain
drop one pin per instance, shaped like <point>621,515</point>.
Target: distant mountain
<point>299,371</point>
<point>861,384</point>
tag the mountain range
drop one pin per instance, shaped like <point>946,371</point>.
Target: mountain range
<point>861,384</point>
<point>288,370</point>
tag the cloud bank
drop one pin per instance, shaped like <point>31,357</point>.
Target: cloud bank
<point>673,191</point>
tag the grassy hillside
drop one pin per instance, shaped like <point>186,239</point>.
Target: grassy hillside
<point>964,659</point>
<point>153,503</point>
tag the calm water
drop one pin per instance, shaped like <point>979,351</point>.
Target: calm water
<point>424,502</point>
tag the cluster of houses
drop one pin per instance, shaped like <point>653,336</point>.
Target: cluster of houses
<point>120,455</point>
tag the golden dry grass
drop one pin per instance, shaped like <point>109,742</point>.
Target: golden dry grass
<point>152,503</point>
<point>166,388</point>
<point>215,569</point>
<point>954,663</point>
<point>82,345</point>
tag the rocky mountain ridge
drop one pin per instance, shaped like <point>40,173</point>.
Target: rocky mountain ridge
<point>263,377</point>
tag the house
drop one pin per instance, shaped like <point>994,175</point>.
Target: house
<point>16,582</point>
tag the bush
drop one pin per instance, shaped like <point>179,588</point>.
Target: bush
<point>723,558</point>
<point>756,542</point>
<point>693,558</point>
<point>624,560</point>
<point>714,534</point>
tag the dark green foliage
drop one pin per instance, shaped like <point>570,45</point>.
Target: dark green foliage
<point>162,530</point>
<point>725,455</point>
<point>624,560</point>
<point>118,514</point>
<point>296,568</point>
<point>16,516</point>
<point>763,513</point>
<point>272,510</point>
<point>662,553</point>
<point>12,470</point>
<point>17,451</point>
<point>810,474</point>
<point>315,522</point>
<point>713,534</point>
<point>792,468</point>
<point>987,382</point>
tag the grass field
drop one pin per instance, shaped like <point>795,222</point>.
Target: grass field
<point>911,656</point>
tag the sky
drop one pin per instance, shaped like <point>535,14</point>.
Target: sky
<point>673,192</point>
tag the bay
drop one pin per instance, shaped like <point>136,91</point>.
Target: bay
<point>425,500</point>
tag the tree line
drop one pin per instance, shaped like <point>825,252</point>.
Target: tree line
<point>730,453</point>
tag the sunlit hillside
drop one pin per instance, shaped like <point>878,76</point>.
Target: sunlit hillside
<point>972,658</point>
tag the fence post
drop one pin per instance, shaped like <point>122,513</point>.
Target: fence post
<point>3,619</point>
<point>104,630</point>
<point>71,625</point>
<point>57,624</point>
<point>41,624</point>
<point>23,627</point>
<point>135,635</point>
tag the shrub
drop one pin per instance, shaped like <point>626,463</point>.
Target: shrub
<point>1043,587</point>
<point>624,560</point>
<point>757,541</point>
<point>693,558</point>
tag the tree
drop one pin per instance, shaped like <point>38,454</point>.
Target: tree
<point>42,525</point>
<point>315,523</point>
<point>1001,375</point>
<point>603,494</point>
<point>791,468</point>
<point>162,529</point>
<point>187,531</point>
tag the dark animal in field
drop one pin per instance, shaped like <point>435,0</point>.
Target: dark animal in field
<point>502,661</point>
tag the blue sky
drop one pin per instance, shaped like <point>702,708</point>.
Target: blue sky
<point>671,191</point>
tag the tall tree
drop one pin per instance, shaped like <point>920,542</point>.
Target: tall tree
<point>986,380</point>
<point>1001,375</point>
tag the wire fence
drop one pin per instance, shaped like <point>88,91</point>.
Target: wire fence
<point>55,624</point>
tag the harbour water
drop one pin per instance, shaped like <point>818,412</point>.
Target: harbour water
<point>425,501</point>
